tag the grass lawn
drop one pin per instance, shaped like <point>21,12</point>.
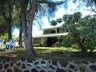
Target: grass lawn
<point>53,52</point>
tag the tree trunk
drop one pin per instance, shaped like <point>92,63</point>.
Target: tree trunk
<point>27,25</point>
<point>9,31</point>
<point>20,34</point>
<point>24,27</point>
<point>27,30</point>
<point>32,12</point>
<point>8,22</point>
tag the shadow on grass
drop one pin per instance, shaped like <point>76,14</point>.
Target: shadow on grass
<point>57,52</point>
<point>11,52</point>
<point>2,50</point>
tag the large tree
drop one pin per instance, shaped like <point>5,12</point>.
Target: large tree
<point>2,26</point>
<point>6,9</point>
<point>18,20</point>
<point>27,24</point>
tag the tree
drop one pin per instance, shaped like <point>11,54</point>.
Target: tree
<point>81,31</point>
<point>18,13</point>
<point>6,8</point>
<point>10,12</point>
<point>87,33</point>
<point>27,25</point>
<point>2,26</point>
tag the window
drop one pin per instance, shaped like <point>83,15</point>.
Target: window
<point>53,31</point>
<point>37,40</point>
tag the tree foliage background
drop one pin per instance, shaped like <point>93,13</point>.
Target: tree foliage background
<point>81,32</point>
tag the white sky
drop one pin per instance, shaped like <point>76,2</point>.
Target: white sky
<point>59,14</point>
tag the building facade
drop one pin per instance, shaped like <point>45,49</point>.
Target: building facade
<point>50,37</point>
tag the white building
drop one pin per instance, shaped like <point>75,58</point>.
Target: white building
<point>50,36</point>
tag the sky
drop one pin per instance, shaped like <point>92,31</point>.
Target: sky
<point>58,14</point>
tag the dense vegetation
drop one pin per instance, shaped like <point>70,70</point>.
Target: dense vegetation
<point>81,32</point>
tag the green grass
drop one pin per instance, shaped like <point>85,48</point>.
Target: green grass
<point>52,52</point>
<point>50,49</point>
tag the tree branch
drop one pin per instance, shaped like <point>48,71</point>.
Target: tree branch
<point>57,2</point>
<point>91,7</point>
<point>3,14</point>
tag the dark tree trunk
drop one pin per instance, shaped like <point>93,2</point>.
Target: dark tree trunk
<point>24,27</point>
<point>20,34</point>
<point>9,30</point>
<point>8,21</point>
<point>7,15</point>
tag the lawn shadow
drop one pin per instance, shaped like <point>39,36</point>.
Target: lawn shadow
<point>2,50</point>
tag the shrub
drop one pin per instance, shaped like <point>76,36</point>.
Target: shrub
<point>67,53</point>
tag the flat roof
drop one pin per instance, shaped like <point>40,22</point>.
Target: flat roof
<point>50,35</point>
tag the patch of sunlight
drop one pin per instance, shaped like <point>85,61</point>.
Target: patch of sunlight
<point>21,49</point>
<point>94,50</point>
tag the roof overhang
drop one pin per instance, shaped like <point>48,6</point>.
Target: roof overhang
<point>51,35</point>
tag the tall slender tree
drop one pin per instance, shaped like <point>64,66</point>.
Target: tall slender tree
<point>6,9</point>
<point>18,10</point>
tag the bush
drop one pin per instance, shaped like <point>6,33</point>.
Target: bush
<point>67,53</point>
<point>75,46</point>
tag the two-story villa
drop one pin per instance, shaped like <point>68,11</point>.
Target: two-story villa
<point>50,36</point>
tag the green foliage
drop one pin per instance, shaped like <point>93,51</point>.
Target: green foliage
<point>75,46</point>
<point>53,22</point>
<point>7,9</point>
<point>59,20</point>
<point>67,53</point>
<point>4,37</point>
<point>81,32</point>
<point>3,27</point>
<point>67,40</point>
<point>52,7</point>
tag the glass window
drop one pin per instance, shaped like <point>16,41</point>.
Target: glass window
<point>37,40</point>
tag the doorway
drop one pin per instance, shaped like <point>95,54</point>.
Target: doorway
<point>51,40</point>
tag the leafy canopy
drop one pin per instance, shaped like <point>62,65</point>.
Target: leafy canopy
<point>81,31</point>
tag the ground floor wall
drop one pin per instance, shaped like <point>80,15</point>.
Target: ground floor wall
<point>46,41</point>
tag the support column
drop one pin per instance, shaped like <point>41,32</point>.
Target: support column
<point>55,30</point>
<point>42,40</point>
<point>58,39</point>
